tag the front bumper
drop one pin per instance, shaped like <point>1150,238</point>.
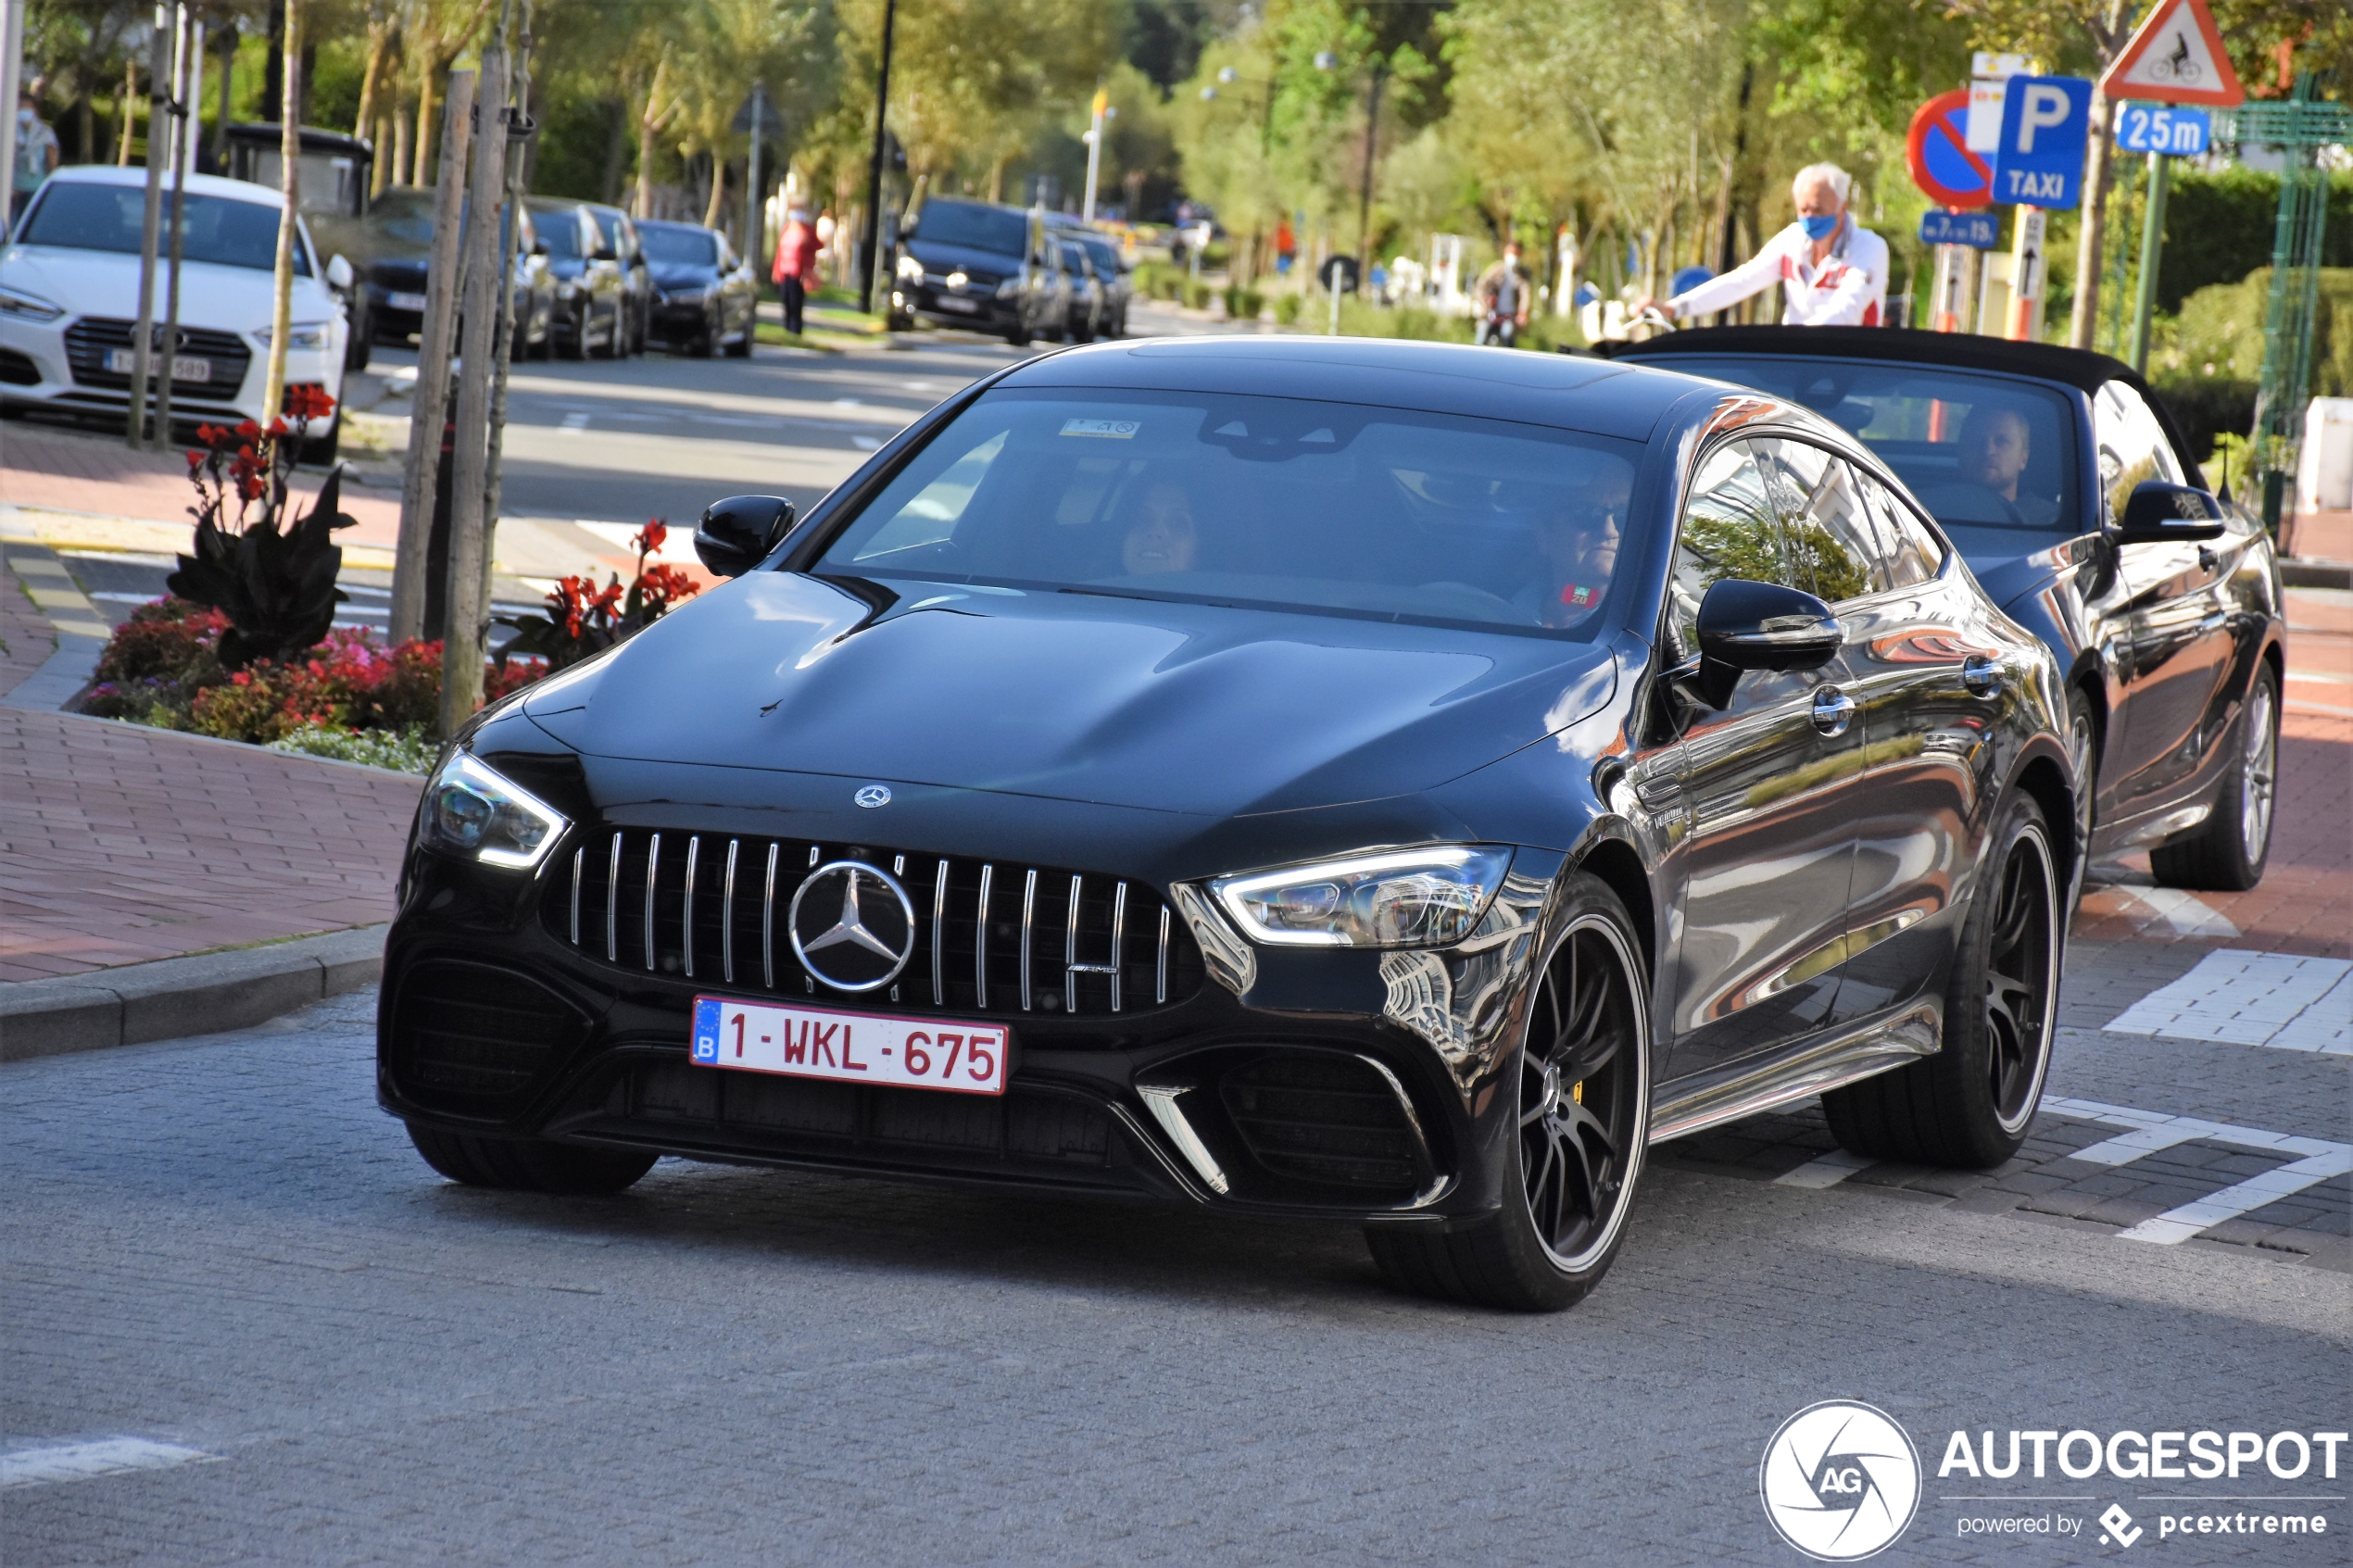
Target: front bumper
<point>1340,1083</point>
<point>982,310</point>
<point>61,366</point>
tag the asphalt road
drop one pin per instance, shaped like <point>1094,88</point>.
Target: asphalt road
<point>219,1246</point>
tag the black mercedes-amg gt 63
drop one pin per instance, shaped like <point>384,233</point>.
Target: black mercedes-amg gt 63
<point>1394,782</point>
<point>2166,616</point>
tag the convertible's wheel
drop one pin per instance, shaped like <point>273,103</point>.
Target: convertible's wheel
<point>1970,1104</point>
<point>2229,855</point>
<point>528,1166</point>
<point>1582,1082</point>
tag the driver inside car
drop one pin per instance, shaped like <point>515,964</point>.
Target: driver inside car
<point>1995,446</point>
<point>1578,547</point>
<point>1165,538</point>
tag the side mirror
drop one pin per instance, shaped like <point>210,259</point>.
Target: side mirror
<point>2162,513</point>
<point>339,275</point>
<point>1746,625</point>
<point>736,535</point>
<point>538,247</point>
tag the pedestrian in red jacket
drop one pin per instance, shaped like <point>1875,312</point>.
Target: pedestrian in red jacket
<point>795,264</point>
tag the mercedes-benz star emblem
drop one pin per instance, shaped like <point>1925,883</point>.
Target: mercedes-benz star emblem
<point>852,925</point>
<point>873,796</point>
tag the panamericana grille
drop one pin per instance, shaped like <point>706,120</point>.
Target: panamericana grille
<point>89,339</point>
<point>1323,1118</point>
<point>714,907</point>
<point>473,1040</point>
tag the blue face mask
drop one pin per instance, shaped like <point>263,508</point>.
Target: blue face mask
<point>1821,226</point>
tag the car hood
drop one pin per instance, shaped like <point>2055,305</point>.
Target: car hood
<point>1192,709</point>
<point>673,276</point>
<point>938,257</point>
<point>101,283</point>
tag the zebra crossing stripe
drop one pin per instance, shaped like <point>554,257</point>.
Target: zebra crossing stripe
<point>2177,1226</point>
<point>80,1461</point>
<point>2151,1131</point>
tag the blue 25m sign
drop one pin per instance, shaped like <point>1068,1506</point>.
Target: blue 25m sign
<point>2045,122</point>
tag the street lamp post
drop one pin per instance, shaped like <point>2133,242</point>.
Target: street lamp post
<point>1095,150</point>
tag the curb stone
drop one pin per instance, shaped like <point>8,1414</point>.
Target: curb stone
<point>132,1004</point>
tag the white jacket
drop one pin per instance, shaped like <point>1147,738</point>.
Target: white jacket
<point>1848,290</point>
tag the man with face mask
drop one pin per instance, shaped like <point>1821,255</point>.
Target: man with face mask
<point>1834,272</point>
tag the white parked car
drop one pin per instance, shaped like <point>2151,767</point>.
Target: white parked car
<point>70,301</point>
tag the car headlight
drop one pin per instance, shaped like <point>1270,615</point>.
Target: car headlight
<point>910,268</point>
<point>312,336</point>
<point>27,307</point>
<point>957,279</point>
<point>1397,898</point>
<point>472,813</point>
<point>565,291</point>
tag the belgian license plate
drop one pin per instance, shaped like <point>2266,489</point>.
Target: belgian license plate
<point>950,302</point>
<point>850,1048</point>
<point>405,301</point>
<point>123,362</point>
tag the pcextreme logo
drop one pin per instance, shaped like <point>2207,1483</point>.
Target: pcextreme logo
<point>1839,1480</point>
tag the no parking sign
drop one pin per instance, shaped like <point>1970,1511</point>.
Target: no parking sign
<point>1938,154</point>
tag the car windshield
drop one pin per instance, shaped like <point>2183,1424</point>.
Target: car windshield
<point>560,233</point>
<point>79,215</point>
<point>1106,256</point>
<point>679,248</point>
<point>1992,458</point>
<point>1232,499</point>
<point>406,216</point>
<point>991,229</point>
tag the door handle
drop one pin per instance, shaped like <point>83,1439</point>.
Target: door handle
<point>1981,675</point>
<point>1833,710</point>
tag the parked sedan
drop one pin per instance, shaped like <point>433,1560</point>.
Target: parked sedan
<point>1112,272</point>
<point>69,302</point>
<point>1364,781</point>
<point>396,243</point>
<point>591,304</point>
<point>2064,481</point>
<point>636,278</point>
<point>1089,301</point>
<point>979,265</point>
<point>704,295</point>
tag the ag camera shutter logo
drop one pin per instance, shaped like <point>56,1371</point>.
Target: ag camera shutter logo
<point>1839,1481</point>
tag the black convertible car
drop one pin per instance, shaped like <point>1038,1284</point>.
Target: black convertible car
<point>1386,782</point>
<point>2164,613</point>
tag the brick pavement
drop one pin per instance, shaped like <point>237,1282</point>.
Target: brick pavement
<point>77,470</point>
<point>122,843</point>
<point>25,637</point>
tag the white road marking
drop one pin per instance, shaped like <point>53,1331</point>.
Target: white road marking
<point>848,402</point>
<point>866,443</point>
<point>575,422</point>
<point>2320,1158</point>
<point>80,1461</point>
<point>2186,914</point>
<point>1827,1171</point>
<point>2285,1000</point>
<point>2334,677</point>
<point>2177,1226</point>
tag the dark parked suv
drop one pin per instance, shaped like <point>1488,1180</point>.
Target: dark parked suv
<point>636,278</point>
<point>395,242</point>
<point>591,293</point>
<point>972,263</point>
<point>704,297</point>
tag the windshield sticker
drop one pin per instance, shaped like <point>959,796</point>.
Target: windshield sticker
<point>1109,430</point>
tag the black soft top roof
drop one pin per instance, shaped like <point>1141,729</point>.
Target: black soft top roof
<point>2078,367</point>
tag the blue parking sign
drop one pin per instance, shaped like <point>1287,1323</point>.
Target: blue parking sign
<point>2045,122</point>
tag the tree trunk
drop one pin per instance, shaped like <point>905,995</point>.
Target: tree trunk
<point>380,29</point>
<point>402,122</point>
<point>130,100</point>
<point>616,149</point>
<point>718,200</point>
<point>997,178</point>
<point>425,125</point>
<point>2082,320</point>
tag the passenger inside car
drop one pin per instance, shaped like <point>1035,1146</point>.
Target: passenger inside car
<point>1164,538</point>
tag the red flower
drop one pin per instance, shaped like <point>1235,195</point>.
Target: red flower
<point>650,538</point>
<point>277,427</point>
<point>196,460</point>
<point>307,400</point>
<point>248,430</point>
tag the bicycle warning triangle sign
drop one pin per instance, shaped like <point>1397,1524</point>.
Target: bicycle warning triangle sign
<point>2175,58</point>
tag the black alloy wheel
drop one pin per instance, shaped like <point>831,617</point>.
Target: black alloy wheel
<point>575,341</point>
<point>1583,1119</point>
<point>1970,1104</point>
<point>2228,853</point>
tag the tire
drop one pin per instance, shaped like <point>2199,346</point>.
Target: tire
<point>576,345</point>
<point>1970,1104</point>
<point>319,451</point>
<point>529,1165</point>
<point>706,342</point>
<point>2229,854</point>
<point>1558,1231</point>
<point>741,349</point>
<point>361,345</point>
<point>614,346</point>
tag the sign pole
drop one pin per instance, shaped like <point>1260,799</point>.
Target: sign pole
<point>2027,269</point>
<point>2152,246</point>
